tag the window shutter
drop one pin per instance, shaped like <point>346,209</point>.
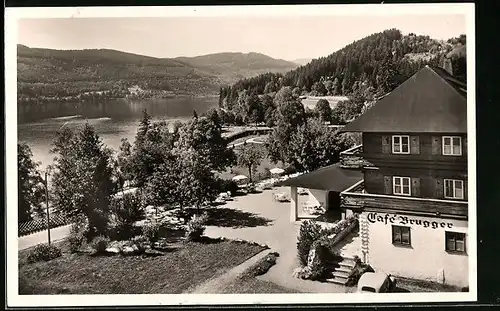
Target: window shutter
<point>415,187</point>
<point>387,184</point>
<point>464,146</point>
<point>439,190</point>
<point>414,144</point>
<point>466,189</point>
<point>386,144</point>
<point>436,145</point>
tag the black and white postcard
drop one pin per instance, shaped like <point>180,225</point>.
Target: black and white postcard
<point>294,154</point>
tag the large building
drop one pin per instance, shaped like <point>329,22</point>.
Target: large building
<point>412,196</point>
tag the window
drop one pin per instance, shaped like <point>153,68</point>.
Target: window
<point>453,189</point>
<point>455,242</point>
<point>401,185</point>
<point>401,235</point>
<point>401,144</point>
<point>452,145</point>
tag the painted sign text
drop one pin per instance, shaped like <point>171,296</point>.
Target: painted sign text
<point>405,220</point>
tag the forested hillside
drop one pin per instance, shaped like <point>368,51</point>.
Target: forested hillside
<point>232,66</point>
<point>363,70</point>
<point>45,74</point>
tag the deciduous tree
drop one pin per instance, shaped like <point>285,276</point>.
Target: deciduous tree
<point>323,110</point>
<point>204,136</point>
<point>250,157</point>
<point>82,183</point>
<point>314,145</point>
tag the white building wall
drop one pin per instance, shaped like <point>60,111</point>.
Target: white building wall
<point>318,197</point>
<point>426,259</point>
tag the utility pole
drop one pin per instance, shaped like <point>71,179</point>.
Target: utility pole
<point>47,204</point>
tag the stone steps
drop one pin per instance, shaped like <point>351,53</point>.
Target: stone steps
<point>337,281</point>
<point>340,274</point>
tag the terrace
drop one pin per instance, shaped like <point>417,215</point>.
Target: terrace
<point>357,199</point>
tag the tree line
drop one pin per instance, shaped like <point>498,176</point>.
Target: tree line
<point>363,71</point>
<point>173,164</point>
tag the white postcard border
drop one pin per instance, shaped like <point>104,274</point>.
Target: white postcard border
<point>13,14</point>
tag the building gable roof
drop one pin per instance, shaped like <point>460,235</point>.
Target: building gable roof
<point>430,101</point>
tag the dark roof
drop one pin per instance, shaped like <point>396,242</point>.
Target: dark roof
<point>330,177</point>
<point>430,101</point>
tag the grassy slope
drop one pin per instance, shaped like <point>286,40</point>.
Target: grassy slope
<point>186,266</point>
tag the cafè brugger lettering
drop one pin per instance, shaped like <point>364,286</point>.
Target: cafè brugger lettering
<point>405,220</point>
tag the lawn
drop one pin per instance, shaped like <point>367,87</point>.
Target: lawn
<point>417,286</point>
<point>183,267</point>
<point>251,285</point>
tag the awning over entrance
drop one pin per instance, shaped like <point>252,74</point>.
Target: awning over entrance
<point>331,178</point>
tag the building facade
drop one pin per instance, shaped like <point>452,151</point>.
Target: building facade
<point>413,198</point>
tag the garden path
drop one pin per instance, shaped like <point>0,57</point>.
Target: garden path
<point>258,218</point>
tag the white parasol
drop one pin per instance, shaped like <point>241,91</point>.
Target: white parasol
<point>239,177</point>
<point>277,171</point>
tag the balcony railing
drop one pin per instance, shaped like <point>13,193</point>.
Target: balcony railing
<point>352,158</point>
<point>356,198</point>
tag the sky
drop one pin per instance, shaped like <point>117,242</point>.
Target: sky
<point>281,37</point>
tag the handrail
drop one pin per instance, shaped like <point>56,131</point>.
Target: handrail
<point>347,192</point>
<point>351,150</point>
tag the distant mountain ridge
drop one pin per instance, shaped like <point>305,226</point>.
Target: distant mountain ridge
<point>49,73</point>
<point>302,61</point>
<point>234,65</point>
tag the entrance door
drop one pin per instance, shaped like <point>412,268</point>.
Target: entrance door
<point>333,208</point>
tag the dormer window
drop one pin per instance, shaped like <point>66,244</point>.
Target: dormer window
<point>452,145</point>
<point>401,144</point>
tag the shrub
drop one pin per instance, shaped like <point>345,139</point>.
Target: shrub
<point>196,227</point>
<point>141,242</point>
<point>358,270</point>
<point>309,232</point>
<point>151,231</point>
<point>290,170</point>
<point>126,210</point>
<point>317,266</point>
<point>263,265</point>
<point>43,252</point>
<point>228,185</point>
<point>77,235</point>
<point>99,244</point>
<point>251,188</point>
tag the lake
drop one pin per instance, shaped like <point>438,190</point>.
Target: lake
<point>112,119</point>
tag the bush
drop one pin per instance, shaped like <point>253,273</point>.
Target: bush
<point>141,242</point>
<point>317,267</point>
<point>290,170</point>
<point>266,174</point>
<point>251,188</point>
<point>43,252</point>
<point>196,227</point>
<point>77,235</point>
<point>228,185</point>
<point>152,232</point>
<point>126,210</point>
<point>309,232</point>
<point>358,270</point>
<point>99,244</point>
<point>263,265</point>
